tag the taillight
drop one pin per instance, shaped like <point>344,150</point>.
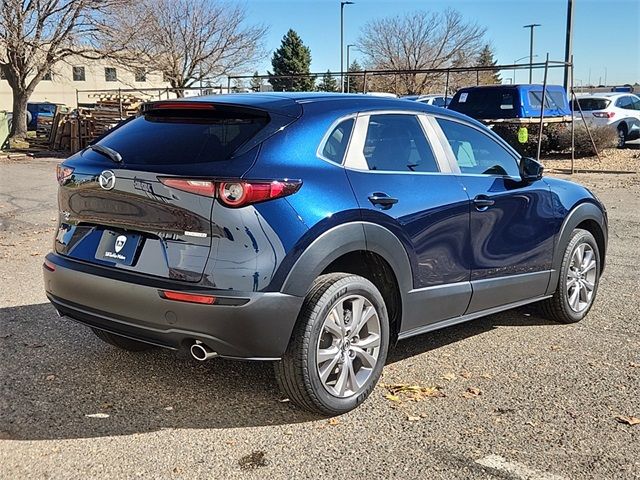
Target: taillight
<point>199,187</point>
<point>63,172</point>
<point>604,114</point>
<point>188,297</point>
<point>235,193</point>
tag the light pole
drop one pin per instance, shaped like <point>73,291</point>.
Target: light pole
<point>348,47</point>
<point>514,69</point>
<point>531,27</point>
<point>342,4</point>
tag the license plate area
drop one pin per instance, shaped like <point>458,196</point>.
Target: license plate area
<point>118,247</point>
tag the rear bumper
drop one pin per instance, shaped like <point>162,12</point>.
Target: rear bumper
<point>258,328</point>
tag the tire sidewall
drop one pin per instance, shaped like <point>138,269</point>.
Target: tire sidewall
<point>580,237</point>
<point>329,299</point>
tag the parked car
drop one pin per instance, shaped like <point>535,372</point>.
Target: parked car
<point>495,102</point>
<point>40,115</point>
<point>435,100</point>
<point>314,230</point>
<point>616,110</point>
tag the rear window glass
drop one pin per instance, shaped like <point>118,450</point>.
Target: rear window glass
<point>489,103</point>
<point>183,136</point>
<point>589,104</point>
<point>552,100</point>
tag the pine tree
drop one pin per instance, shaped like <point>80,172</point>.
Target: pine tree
<point>292,58</point>
<point>328,83</point>
<point>356,82</point>
<point>485,59</point>
<point>256,82</point>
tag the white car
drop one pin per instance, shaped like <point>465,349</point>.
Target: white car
<point>618,110</point>
<point>435,100</point>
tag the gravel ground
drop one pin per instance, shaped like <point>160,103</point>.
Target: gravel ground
<point>611,160</point>
<point>519,397</point>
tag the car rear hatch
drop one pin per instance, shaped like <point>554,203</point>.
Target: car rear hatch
<point>115,209</point>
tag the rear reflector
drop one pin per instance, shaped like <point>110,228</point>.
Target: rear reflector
<point>187,297</point>
<point>49,265</point>
<point>604,114</point>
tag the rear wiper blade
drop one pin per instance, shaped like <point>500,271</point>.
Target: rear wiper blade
<point>106,151</point>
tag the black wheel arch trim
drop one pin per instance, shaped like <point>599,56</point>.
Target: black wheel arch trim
<point>346,238</point>
<point>580,213</point>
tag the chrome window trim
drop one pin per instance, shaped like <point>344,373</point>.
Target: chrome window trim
<point>452,158</point>
<point>355,160</point>
<point>328,133</point>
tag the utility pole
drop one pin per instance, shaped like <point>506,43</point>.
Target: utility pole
<point>342,4</point>
<point>348,65</point>
<point>531,27</point>
<point>568,45</point>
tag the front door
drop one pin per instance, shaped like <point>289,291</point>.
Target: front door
<point>399,182</point>
<point>512,223</point>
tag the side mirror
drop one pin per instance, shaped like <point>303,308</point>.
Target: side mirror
<point>530,169</point>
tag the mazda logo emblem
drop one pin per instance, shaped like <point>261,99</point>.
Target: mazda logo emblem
<point>107,180</point>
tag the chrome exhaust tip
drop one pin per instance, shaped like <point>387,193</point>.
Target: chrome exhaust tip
<point>201,352</point>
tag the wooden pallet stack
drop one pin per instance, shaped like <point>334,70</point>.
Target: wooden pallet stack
<point>111,110</point>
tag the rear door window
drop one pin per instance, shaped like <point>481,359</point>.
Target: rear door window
<point>624,102</point>
<point>397,143</point>
<point>590,104</point>
<point>184,136</point>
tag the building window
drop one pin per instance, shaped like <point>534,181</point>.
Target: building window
<point>47,76</point>
<point>78,74</point>
<point>140,75</point>
<point>110,74</point>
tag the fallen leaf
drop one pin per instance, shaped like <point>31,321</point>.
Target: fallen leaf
<point>634,365</point>
<point>177,470</point>
<point>288,432</point>
<point>403,391</point>
<point>555,347</point>
<point>285,400</point>
<point>5,336</point>
<point>97,415</point>
<point>411,418</point>
<point>333,421</point>
<point>472,392</point>
<point>486,375</point>
<point>392,398</point>
<point>33,254</point>
<point>34,345</point>
<point>465,374</point>
<point>449,376</point>
<point>530,423</point>
<point>106,405</point>
<point>628,420</point>
<point>50,377</point>
<point>169,408</point>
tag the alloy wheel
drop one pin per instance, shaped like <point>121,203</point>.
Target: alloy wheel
<point>581,277</point>
<point>349,346</point>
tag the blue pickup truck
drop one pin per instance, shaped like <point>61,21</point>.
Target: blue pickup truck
<point>511,103</point>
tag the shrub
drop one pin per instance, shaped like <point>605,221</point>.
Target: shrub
<point>556,138</point>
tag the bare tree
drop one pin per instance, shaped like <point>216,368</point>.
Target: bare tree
<point>37,34</point>
<point>188,41</point>
<point>419,40</point>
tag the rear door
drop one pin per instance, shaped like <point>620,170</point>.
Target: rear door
<point>126,215</point>
<point>402,183</point>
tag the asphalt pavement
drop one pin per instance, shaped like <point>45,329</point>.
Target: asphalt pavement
<point>509,396</point>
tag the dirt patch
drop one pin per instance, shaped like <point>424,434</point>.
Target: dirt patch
<point>612,160</point>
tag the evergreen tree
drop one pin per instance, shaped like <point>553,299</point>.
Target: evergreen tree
<point>328,83</point>
<point>356,82</point>
<point>256,82</point>
<point>485,59</point>
<point>292,58</point>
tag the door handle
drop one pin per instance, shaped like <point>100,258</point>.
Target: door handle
<point>482,203</point>
<point>383,200</point>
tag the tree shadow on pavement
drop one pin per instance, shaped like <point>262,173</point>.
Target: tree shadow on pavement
<point>56,376</point>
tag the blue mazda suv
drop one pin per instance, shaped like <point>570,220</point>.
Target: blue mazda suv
<point>313,230</point>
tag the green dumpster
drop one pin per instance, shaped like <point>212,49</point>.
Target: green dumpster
<point>4,128</point>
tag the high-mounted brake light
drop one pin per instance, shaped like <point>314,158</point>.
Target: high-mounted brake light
<point>604,114</point>
<point>234,193</point>
<point>198,187</point>
<point>178,106</point>
<point>63,172</point>
<point>187,297</point>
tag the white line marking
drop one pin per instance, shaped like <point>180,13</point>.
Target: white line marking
<point>496,462</point>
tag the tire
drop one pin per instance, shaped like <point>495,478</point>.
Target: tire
<point>561,307</point>
<point>298,373</point>
<point>123,343</point>
<point>622,135</point>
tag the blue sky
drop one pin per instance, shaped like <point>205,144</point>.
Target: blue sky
<point>606,32</point>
